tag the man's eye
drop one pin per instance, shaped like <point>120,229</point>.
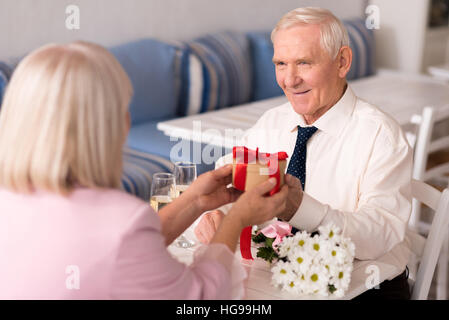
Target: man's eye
<point>303,62</point>
<point>280,64</point>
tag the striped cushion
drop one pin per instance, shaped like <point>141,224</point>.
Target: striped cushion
<point>362,44</point>
<point>138,170</point>
<point>264,75</point>
<point>152,67</point>
<point>5,74</point>
<point>216,73</point>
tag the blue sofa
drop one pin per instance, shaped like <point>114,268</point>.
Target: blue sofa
<point>174,79</point>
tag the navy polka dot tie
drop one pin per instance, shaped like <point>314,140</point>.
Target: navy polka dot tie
<point>297,165</point>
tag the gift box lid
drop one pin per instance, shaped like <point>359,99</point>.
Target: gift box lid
<point>242,154</point>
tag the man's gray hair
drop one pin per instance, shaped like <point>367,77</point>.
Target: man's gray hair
<point>333,33</point>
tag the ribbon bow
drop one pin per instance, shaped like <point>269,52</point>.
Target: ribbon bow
<point>278,230</point>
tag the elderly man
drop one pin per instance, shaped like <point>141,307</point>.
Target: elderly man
<point>352,161</point>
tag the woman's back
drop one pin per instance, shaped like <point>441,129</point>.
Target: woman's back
<point>56,247</point>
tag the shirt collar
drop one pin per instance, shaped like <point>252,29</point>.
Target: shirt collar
<point>335,119</point>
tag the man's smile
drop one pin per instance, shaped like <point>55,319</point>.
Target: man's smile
<point>301,92</point>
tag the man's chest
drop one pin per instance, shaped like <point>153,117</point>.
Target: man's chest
<point>335,165</point>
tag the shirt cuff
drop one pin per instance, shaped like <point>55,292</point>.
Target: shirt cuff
<point>309,215</point>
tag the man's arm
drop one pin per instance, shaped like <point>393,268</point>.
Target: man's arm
<point>384,205</point>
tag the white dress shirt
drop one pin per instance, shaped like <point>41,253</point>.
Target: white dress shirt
<point>358,174</point>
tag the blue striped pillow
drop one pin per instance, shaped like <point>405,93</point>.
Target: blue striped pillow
<point>264,74</point>
<point>138,170</point>
<point>217,72</point>
<point>5,74</point>
<point>361,42</point>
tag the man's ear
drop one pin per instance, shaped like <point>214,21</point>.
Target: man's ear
<point>344,61</point>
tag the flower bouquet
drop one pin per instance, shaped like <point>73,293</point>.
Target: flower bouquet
<point>308,264</point>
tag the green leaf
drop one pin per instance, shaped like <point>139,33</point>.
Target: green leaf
<point>259,238</point>
<point>267,254</point>
<point>332,288</point>
<point>269,242</point>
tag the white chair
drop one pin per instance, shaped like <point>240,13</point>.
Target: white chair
<point>439,202</point>
<point>423,147</point>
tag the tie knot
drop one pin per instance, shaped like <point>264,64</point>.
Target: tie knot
<point>305,133</point>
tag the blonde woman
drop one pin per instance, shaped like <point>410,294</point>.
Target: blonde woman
<point>66,231</point>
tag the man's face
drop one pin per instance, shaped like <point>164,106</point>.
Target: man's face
<point>305,71</point>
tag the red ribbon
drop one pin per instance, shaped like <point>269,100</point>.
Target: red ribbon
<point>245,243</point>
<point>242,157</point>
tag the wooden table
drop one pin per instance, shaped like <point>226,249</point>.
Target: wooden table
<point>400,95</point>
<point>258,284</point>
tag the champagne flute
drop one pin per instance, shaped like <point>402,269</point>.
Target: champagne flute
<point>163,190</point>
<point>185,174</point>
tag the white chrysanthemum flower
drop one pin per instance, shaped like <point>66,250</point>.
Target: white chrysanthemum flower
<point>336,255</point>
<point>325,251</point>
<point>349,246</point>
<point>312,264</point>
<point>283,273</point>
<point>317,279</point>
<point>285,246</point>
<point>301,238</point>
<point>341,277</point>
<point>293,286</point>
<point>300,259</point>
<point>314,247</point>
<point>329,232</point>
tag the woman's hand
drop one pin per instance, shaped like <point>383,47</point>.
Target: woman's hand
<point>255,206</point>
<point>210,191</point>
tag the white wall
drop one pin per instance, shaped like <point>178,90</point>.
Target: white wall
<point>27,24</point>
<point>436,47</point>
<point>400,41</point>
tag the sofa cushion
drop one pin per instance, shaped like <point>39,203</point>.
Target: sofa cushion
<point>147,138</point>
<point>5,74</point>
<point>264,77</point>
<point>153,67</point>
<point>361,42</point>
<point>138,170</point>
<point>217,72</point>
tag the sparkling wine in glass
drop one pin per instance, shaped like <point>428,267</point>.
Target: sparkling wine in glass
<point>185,174</point>
<point>163,190</point>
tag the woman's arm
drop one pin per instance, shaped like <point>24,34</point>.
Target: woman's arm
<point>208,192</point>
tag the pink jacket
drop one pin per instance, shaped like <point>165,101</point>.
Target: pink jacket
<point>95,244</point>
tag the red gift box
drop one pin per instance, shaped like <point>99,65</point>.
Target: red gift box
<point>250,168</point>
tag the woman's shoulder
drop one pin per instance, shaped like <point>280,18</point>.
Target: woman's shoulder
<point>112,201</point>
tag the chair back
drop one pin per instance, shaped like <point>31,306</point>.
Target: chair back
<point>423,147</point>
<point>439,202</point>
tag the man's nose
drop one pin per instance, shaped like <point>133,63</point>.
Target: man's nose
<point>292,77</point>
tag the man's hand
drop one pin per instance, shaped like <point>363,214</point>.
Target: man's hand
<point>208,225</point>
<point>294,197</point>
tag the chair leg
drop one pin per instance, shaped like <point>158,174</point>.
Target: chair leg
<point>442,270</point>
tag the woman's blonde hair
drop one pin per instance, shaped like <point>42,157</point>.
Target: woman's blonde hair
<point>333,33</point>
<point>62,123</point>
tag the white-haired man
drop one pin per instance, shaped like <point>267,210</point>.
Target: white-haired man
<point>352,160</point>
